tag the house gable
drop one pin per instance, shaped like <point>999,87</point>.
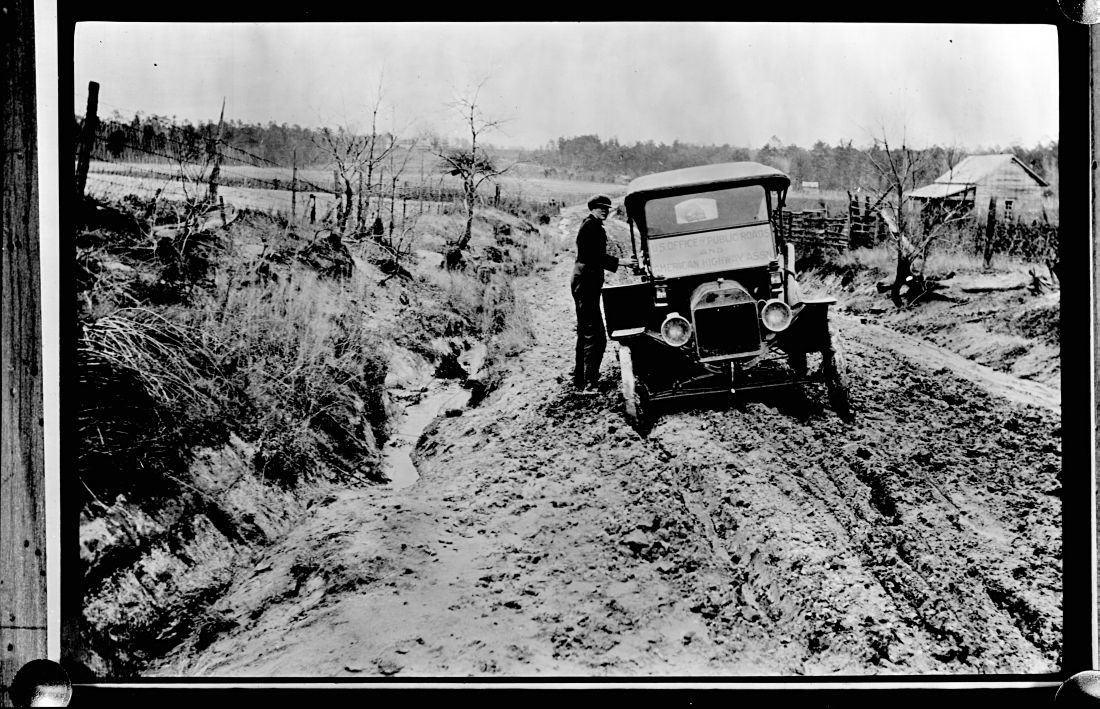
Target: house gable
<point>978,169</point>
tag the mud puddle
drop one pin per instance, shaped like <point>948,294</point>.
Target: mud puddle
<point>440,397</point>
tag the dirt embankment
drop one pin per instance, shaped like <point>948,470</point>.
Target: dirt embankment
<point>204,443</point>
<point>768,537</point>
<point>988,317</point>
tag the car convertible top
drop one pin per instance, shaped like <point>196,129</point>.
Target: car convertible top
<point>692,179</point>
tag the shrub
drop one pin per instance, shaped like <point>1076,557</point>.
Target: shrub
<point>535,253</point>
<point>1033,241</point>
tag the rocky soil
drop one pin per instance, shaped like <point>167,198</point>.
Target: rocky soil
<point>763,536</point>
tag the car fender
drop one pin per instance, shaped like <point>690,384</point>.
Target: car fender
<point>809,329</point>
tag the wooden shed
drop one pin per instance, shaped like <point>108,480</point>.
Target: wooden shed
<point>1015,188</point>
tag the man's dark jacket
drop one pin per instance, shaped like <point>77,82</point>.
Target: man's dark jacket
<point>592,261</point>
<point>592,258</point>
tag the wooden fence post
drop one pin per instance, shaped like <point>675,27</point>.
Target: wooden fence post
<point>23,633</point>
<point>359,208</point>
<point>381,192</point>
<point>990,232</point>
<point>294,184</point>
<point>87,140</point>
<point>216,170</point>
<point>855,230</point>
<point>336,192</point>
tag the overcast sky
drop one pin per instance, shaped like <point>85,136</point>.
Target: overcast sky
<point>968,85</point>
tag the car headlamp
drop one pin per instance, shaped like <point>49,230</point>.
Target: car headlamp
<point>776,315</point>
<point>676,330</point>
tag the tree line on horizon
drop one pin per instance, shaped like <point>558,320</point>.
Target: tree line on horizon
<point>149,137</point>
<point>586,157</point>
<point>834,167</point>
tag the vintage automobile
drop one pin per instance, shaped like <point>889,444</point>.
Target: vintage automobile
<point>718,308</point>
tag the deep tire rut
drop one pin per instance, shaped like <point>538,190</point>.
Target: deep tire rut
<point>821,471</point>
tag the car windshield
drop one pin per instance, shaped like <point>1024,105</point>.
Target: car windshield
<point>700,211</point>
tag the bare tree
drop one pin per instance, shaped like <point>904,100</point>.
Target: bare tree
<point>471,164</point>
<point>379,148</point>
<point>398,242</point>
<point>395,172</point>
<point>900,170</point>
<point>354,156</point>
<point>348,152</point>
<point>194,179</point>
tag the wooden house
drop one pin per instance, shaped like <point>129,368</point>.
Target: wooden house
<point>1016,191</point>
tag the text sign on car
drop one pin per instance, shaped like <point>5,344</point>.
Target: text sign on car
<point>723,250</point>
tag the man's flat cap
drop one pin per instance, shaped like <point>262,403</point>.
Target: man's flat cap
<point>600,200</point>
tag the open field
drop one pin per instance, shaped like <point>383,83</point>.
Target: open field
<point>835,202</point>
<point>269,188</point>
<point>114,186</point>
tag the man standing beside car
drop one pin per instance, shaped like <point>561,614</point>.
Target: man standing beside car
<point>592,261</point>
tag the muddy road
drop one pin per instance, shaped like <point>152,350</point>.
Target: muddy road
<point>546,538</point>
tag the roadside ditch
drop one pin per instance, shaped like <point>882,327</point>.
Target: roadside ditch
<point>320,374</point>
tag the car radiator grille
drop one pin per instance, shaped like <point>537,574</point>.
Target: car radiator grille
<point>726,330</point>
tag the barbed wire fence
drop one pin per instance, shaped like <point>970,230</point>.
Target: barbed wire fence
<point>115,159</point>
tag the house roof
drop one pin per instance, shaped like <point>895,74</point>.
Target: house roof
<point>705,175</point>
<point>971,170</point>
<point>940,190</point>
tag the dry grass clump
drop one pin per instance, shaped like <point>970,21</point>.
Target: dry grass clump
<point>510,335</point>
<point>146,391</point>
<point>882,260</point>
<point>534,252</point>
<point>279,355</point>
<point>310,370</point>
<point>146,343</point>
<point>962,247</point>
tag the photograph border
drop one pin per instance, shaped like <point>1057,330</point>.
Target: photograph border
<point>1078,306</point>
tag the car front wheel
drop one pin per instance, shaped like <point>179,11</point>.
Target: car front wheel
<point>635,396</point>
<point>796,359</point>
<point>834,367</point>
